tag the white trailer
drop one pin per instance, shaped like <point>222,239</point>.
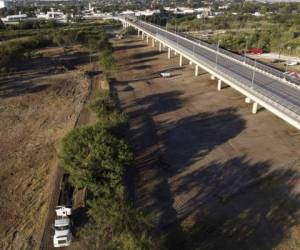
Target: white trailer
<point>62,227</point>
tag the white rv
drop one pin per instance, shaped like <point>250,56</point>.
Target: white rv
<point>62,227</point>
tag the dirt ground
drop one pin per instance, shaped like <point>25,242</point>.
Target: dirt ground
<point>39,104</point>
<point>280,64</point>
<point>212,175</point>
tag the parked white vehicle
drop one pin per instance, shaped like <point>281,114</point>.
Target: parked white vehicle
<point>165,74</point>
<point>62,226</point>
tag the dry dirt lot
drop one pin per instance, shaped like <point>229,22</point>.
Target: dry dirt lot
<point>212,174</point>
<point>39,104</point>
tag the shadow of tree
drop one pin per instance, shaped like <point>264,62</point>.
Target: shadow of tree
<point>129,46</point>
<point>161,103</point>
<point>15,88</point>
<point>182,146</point>
<point>22,80</point>
<point>238,205</point>
<point>142,61</point>
<point>125,83</point>
<point>146,54</point>
<point>141,67</point>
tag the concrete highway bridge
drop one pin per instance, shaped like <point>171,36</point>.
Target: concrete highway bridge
<point>262,86</point>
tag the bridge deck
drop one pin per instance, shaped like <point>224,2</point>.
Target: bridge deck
<point>286,97</point>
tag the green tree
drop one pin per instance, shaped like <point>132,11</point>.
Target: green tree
<point>107,61</point>
<point>95,159</point>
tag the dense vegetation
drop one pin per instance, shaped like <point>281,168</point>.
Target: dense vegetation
<point>242,28</point>
<point>96,158</point>
<point>248,31</point>
<point>13,50</point>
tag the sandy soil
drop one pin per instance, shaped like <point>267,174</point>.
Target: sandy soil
<point>212,174</point>
<point>38,105</point>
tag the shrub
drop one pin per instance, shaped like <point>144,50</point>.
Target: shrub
<point>107,61</point>
<point>109,116</point>
<point>116,225</point>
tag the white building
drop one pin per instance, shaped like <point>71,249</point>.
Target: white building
<point>3,4</point>
<point>258,14</point>
<point>12,19</point>
<point>53,15</point>
<point>147,12</point>
<point>183,11</point>
<point>127,13</point>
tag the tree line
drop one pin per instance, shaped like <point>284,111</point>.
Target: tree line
<point>97,158</point>
<point>246,31</point>
<point>14,50</point>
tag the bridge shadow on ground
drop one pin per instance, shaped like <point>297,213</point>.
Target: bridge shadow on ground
<point>160,103</point>
<point>240,205</point>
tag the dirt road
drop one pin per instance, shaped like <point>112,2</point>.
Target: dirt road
<point>208,170</point>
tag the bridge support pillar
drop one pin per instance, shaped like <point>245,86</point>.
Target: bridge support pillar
<point>138,33</point>
<point>153,42</point>
<point>255,107</point>
<point>169,53</point>
<point>175,53</point>
<point>212,77</point>
<point>219,85</point>
<point>180,60</point>
<point>191,63</point>
<point>164,45</point>
<point>248,100</point>
<point>196,70</point>
<point>147,39</point>
<point>142,35</point>
<point>159,48</point>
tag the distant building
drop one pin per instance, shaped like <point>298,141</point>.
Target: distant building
<point>3,4</point>
<point>127,13</point>
<point>53,15</point>
<point>224,7</point>
<point>257,14</point>
<point>147,12</point>
<point>14,18</point>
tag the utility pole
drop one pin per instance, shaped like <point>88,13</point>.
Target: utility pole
<point>287,61</point>
<point>253,74</point>
<point>217,53</point>
<point>246,48</point>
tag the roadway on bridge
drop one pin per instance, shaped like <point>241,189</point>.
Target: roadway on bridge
<point>276,90</point>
